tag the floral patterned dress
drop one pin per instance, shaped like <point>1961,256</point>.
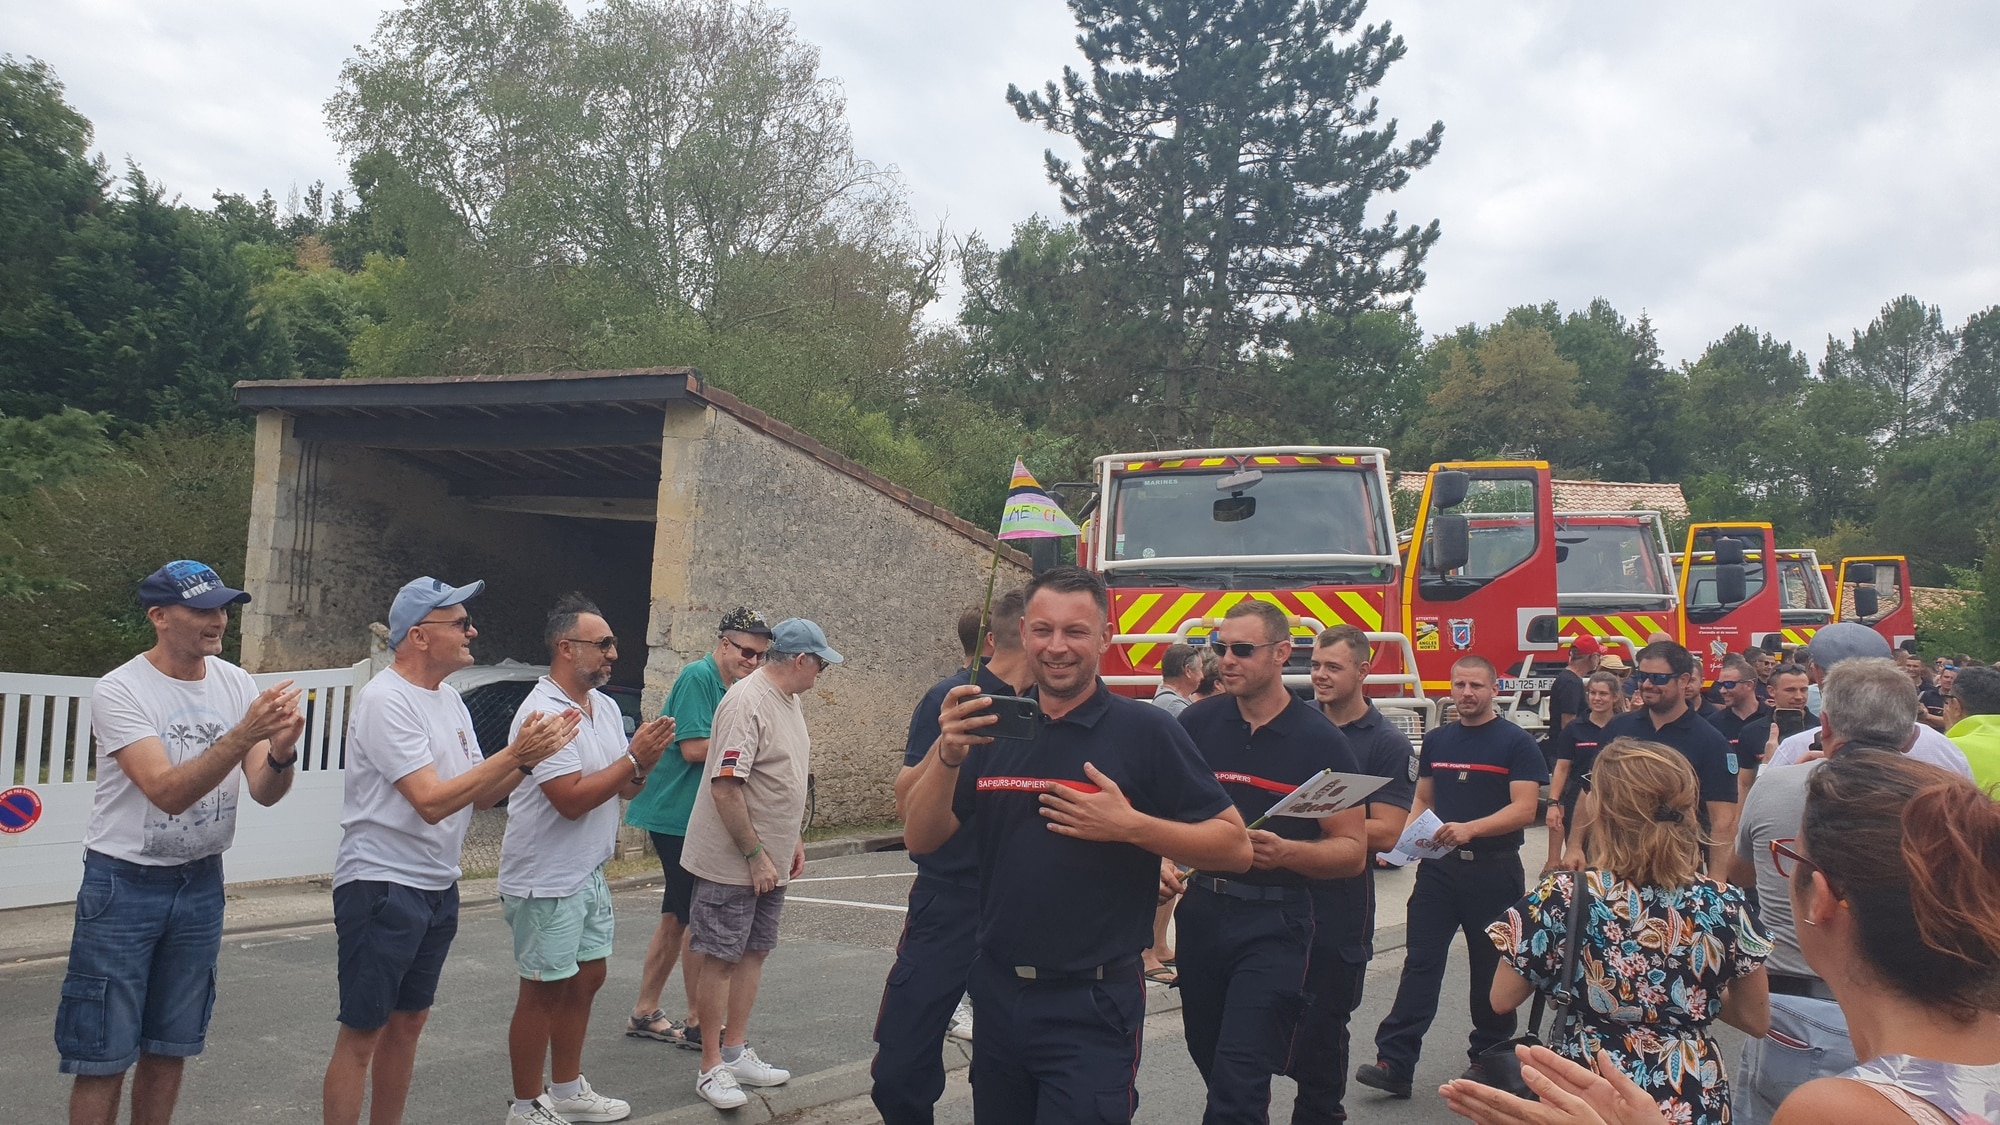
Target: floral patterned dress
<point>1653,961</point>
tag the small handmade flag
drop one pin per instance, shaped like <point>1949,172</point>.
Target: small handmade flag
<point>1031,513</point>
<point>1324,794</point>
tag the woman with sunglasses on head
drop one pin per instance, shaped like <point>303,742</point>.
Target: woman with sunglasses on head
<point>1895,881</point>
<point>1576,747</point>
<point>1662,953</point>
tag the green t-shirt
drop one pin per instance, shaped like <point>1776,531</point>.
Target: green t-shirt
<point>664,804</point>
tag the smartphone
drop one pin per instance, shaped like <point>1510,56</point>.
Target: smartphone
<point>1790,721</point>
<point>1020,717</point>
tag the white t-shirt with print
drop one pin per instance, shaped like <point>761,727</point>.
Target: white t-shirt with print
<point>546,854</point>
<point>136,701</point>
<point>397,729</point>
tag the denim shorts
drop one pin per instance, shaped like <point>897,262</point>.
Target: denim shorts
<point>1808,1040</point>
<point>141,963</point>
<point>392,940</point>
<point>552,934</point>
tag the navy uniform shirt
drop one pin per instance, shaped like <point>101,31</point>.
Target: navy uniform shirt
<point>1258,769</point>
<point>1471,768</point>
<point>1054,901</point>
<point>955,862</point>
<point>1344,909</point>
<point>1566,697</point>
<point>1577,744</point>
<point>1746,736</point>
<point>1701,744</point>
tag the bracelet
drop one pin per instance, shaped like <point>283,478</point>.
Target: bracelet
<point>638,771</point>
<point>950,765</point>
<point>527,771</point>
<point>752,853</point>
<point>279,766</point>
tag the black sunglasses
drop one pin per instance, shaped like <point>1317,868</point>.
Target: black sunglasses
<point>462,624</point>
<point>1242,650</point>
<point>604,645</point>
<point>1657,679</point>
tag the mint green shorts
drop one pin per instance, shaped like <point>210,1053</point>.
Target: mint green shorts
<point>551,935</point>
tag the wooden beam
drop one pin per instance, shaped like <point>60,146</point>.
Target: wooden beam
<point>566,432</point>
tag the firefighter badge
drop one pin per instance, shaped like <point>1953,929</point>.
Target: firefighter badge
<point>1461,633</point>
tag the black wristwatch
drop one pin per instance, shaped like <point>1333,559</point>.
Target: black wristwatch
<point>278,766</point>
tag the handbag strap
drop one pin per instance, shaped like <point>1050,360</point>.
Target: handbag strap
<point>1566,990</point>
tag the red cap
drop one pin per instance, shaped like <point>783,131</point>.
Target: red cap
<point>1587,645</point>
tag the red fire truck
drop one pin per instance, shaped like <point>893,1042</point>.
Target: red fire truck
<point>1875,591</point>
<point>1614,578</point>
<point>1803,604</point>
<point>1729,591</point>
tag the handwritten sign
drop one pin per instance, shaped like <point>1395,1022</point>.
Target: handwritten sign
<point>1326,793</point>
<point>1417,842</point>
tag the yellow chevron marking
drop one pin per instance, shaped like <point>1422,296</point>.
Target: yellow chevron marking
<point>1309,461</point>
<point>1371,618</point>
<point>1211,462</point>
<point>1316,607</point>
<point>1264,460</point>
<point>1164,622</point>
<point>1135,611</point>
<point>1627,631</point>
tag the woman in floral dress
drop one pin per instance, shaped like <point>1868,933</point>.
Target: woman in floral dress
<point>1663,953</point>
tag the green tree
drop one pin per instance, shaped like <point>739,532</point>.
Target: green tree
<point>1903,354</point>
<point>1619,372</point>
<point>1938,500</point>
<point>1509,393</point>
<point>1230,152</point>
<point>1972,383</point>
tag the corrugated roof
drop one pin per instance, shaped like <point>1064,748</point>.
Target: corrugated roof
<point>1590,495</point>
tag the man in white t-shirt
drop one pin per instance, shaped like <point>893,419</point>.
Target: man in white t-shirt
<point>1846,640</point>
<point>561,827</point>
<point>745,823</point>
<point>179,731</point>
<point>413,775</point>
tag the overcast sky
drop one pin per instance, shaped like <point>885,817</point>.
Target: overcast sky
<point>1792,166</point>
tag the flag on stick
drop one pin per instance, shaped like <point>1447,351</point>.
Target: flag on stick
<point>1031,513</point>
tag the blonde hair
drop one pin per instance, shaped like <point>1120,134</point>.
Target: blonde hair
<point>1648,829</point>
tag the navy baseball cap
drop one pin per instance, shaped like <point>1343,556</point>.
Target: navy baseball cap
<point>189,583</point>
<point>796,634</point>
<point>418,597</point>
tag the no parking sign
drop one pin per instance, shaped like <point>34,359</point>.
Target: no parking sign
<point>20,808</point>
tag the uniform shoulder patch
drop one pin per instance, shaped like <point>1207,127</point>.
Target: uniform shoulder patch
<point>1413,767</point>
<point>1730,759</point>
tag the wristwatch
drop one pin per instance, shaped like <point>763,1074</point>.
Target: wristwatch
<point>638,771</point>
<point>279,766</point>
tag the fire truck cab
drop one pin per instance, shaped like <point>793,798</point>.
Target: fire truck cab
<point>1875,591</point>
<point>1803,604</point>
<point>1729,591</point>
<point>1614,580</point>
<point>1180,536</point>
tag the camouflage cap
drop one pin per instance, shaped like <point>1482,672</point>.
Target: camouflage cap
<point>743,619</point>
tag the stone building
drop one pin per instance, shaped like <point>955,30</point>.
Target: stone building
<point>667,501</point>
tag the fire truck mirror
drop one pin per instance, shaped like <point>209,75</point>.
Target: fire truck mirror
<point>1448,488</point>
<point>1731,588</point>
<point>1867,603</point>
<point>1728,553</point>
<point>1861,574</point>
<point>1235,509</point>
<point>1450,547</point>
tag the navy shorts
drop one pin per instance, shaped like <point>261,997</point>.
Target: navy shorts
<point>679,894</point>
<point>141,963</point>
<point>393,940</point>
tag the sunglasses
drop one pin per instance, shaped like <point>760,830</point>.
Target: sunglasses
<point>1241,650</point>
<point>753,655</point>
<point>1727,685</point>
<point>1786,858</point>
<point>462,624</point>
<point>1657,679</point>
<point>604,645</point>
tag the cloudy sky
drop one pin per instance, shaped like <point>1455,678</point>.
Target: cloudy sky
<point>1790,165</point>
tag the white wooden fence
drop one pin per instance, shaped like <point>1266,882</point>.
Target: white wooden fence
<point>45,746</point>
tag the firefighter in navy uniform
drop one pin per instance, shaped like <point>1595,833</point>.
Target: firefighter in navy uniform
<point>1244,939</point>
<point>1344,909</point>
<point>942,921</point>
<point>1069,828</point>
<point>1482,776</point>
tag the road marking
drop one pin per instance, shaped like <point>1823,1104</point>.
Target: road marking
<point>841,878</point>
<point>274,941</point>
<point>845,902</point>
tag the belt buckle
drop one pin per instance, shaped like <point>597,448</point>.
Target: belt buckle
<point>1025,972</point>
<point>1218,884</point>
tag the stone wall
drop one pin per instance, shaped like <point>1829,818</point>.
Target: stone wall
<point>335,530</point>
<point>746,518</point>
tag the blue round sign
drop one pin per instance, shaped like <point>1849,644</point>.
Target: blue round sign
<point>20,808</point>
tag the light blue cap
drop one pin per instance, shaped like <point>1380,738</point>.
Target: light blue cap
<point>418,597</point>
<point>796,634</point>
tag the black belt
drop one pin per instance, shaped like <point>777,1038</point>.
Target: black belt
<point>1469,855</point>
<point>1785,984</point>
<point>1248,892</point>
<point>1102,972</point>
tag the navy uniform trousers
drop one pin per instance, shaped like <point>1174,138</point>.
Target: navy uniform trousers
<point>1320,1048</point>
<point>1452,895</point>
<point>940,935</point>
<point>1242,968</point>
<point>1059,1051</point>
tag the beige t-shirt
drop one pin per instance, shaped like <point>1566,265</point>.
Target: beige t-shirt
<point>758,736</point>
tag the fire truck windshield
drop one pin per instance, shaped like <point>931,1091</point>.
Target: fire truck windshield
<point>1299,516</point>
<point>1600,563</point>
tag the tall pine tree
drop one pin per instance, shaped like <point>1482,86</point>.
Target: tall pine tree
<point>1230,149</point>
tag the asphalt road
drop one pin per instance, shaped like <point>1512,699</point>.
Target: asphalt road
<point>274,1020</point>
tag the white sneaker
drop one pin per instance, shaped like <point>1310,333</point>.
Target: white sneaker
<point>753,1071</point>
<point>961,1020</point>
<point>718,1088</point>
<point>539,1113</point>
<point>588,1105</point>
